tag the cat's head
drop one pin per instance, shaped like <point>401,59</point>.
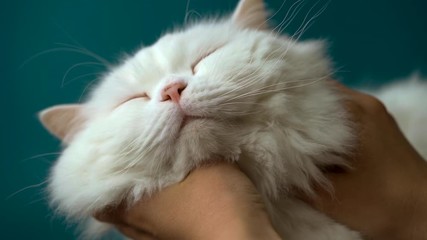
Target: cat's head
<point>193,91</point>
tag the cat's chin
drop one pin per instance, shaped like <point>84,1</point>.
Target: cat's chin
<point>189,120</point>
<point>204,138</point>
<point>197,127</point>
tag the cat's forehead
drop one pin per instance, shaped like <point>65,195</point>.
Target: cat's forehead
<point>196,38</point>
<point>175,52</point>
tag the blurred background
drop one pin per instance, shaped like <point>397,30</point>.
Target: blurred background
<point>51,51</point>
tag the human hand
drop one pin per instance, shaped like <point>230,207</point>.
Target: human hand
<point>384,195</point>
<point>214,202</point>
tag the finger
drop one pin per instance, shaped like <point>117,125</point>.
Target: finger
<point>327,194</point>
<point>351,99</point>
<point>358,102</point>
<point>113,215</point>
<point>347,91</point>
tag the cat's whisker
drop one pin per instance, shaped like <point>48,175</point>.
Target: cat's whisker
<point>128,149</point>
<point>90,84</point>
<point>248,81</point>
<point>87,52</point>
<point>26,188</point>
<point>157,141</point>
<point>133,145</point>
<point>150,134</point>
<point>250,92</point>
<point>37,200</point>
<point>190,13</point>
<point>306,25</point>
<point>42,155</point>
<point>241,113</point>
<point>275,13</point>
<point>294,11</point>
<point>63,49</point>
<point>76,66</point>
<point>282,56</point>
<point>239,104</point>
<point>261,90</point>
<point>292,18</point>
<point>146,146</point>
<point>305,84</point>
<point>141,152</point>
<point>187,7</point>
<point>285,49</point>
<point>243,69</point>
<point>82,76</point>
<point>247,84</point>
<point>39,54</point>
<point>240,95</point>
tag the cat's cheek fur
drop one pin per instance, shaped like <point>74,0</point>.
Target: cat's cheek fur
<point>100,167</point>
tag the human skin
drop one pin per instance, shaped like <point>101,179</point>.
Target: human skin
<point>215,201</point>
<point>383,195</point>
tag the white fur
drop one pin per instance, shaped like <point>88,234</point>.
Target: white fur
<point>264,102</point>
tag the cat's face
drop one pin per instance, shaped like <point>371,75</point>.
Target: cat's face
<point>194,92</point>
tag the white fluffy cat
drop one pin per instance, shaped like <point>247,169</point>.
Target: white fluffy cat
<point>229,89</point>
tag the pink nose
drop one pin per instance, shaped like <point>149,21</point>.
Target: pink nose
<point>173,91</point>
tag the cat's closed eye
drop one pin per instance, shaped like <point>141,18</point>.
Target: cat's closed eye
<point>195,63</point>
<point>135,96</point>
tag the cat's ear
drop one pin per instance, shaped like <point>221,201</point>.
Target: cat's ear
<point>251,14</point>
<point>63,121</point>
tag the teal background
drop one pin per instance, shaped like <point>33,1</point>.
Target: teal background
<point>371,41</point>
